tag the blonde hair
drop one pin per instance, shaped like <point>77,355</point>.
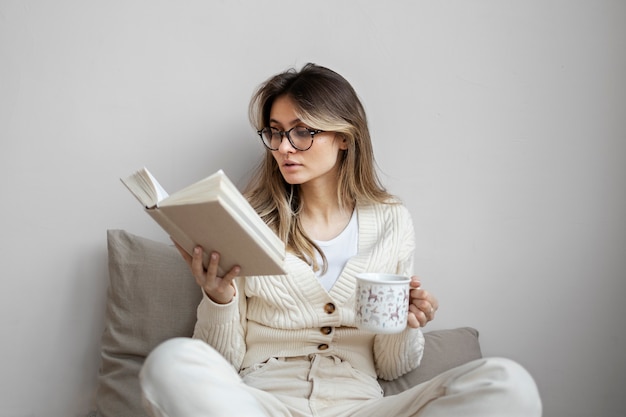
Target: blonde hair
<point>324,100</point>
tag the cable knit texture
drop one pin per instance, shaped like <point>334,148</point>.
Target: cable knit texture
<point>290,315</point>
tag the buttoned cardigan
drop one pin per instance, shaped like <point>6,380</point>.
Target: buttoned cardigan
<point>293,315</point>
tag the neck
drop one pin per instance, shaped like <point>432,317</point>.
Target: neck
<point>322,215</point>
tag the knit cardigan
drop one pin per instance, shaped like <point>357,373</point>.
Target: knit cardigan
<point>293,315</point>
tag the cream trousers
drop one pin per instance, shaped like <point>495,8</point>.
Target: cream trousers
<point>188,378</point>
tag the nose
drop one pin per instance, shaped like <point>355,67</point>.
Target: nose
<point>285,146</point>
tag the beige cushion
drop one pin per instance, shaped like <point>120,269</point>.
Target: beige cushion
<point>153,297</point>
<point>444,349</point>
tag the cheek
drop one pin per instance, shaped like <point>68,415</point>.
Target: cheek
<point>325,159</point>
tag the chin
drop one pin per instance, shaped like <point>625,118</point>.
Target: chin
<point>292,179</point>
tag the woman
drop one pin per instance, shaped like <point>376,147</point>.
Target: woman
<point>287,345</point>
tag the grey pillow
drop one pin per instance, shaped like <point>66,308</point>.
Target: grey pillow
<point>444,349</point>
<point>152,297</point>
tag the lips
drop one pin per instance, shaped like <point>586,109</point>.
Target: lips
<point>289,163</point>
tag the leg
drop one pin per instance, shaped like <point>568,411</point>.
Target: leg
<point>487,387</point>
<point>188,378</point>
<point>482,388</point>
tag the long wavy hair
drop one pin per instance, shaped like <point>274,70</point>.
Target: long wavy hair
<point>324,100</point>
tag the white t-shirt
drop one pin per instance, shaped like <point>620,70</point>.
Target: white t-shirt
<point>338,250</point>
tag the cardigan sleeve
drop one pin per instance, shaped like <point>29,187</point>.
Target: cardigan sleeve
<point>397,354</point>
<point>223,326</point>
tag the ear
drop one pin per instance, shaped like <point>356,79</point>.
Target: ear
<point>343,142</point>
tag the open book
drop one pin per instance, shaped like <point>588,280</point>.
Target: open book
<point>212,213</point>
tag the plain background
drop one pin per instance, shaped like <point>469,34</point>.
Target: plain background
<point>501,124</point>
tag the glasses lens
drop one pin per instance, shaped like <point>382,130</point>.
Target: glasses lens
<point>271,138</point>
<point>301,137</point>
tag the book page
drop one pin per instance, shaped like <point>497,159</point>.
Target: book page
<point>204,190</point>
<point>145,187</point>
<point>161,194</point>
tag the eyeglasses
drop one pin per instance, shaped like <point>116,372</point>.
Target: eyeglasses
<point>300,137</point>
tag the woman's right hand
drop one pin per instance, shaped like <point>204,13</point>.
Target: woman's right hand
<point>219,289</point>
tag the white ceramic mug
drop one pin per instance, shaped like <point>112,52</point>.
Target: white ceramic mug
<point>382,302</point>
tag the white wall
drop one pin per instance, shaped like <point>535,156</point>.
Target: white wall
<point>501,124</point>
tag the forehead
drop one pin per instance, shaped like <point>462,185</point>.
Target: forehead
<point>284,110</point>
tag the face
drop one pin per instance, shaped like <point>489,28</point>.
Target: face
<point>317,165</point>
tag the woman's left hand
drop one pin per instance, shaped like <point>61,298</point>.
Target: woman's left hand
<point>422,305</point>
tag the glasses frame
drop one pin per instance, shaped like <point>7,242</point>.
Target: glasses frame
<point>286,133</point>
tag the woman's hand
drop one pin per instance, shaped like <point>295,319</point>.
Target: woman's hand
<point>219,289</point>
<point>422,305</point>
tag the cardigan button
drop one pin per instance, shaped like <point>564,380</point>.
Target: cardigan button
<point>329,308</point>
<point>326,330</point>
<point>323,346</point>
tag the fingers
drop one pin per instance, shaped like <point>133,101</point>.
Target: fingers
<point>415,282</point>
<point>418,317</point>
<point>413,322</point>
<point>219,289</point>
<point>423,305</point>
<point>197,266</point>
<point>425,301</point>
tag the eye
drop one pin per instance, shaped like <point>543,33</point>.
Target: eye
<point>275,133</point>
<point>302,133</point>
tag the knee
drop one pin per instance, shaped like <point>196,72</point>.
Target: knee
<point>162,362</point>
<point>507,372</point>
<point>174,360</point>
<point>514,382</point>
<point>187,377</point>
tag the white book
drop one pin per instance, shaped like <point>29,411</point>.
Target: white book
<point>212,213</point>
